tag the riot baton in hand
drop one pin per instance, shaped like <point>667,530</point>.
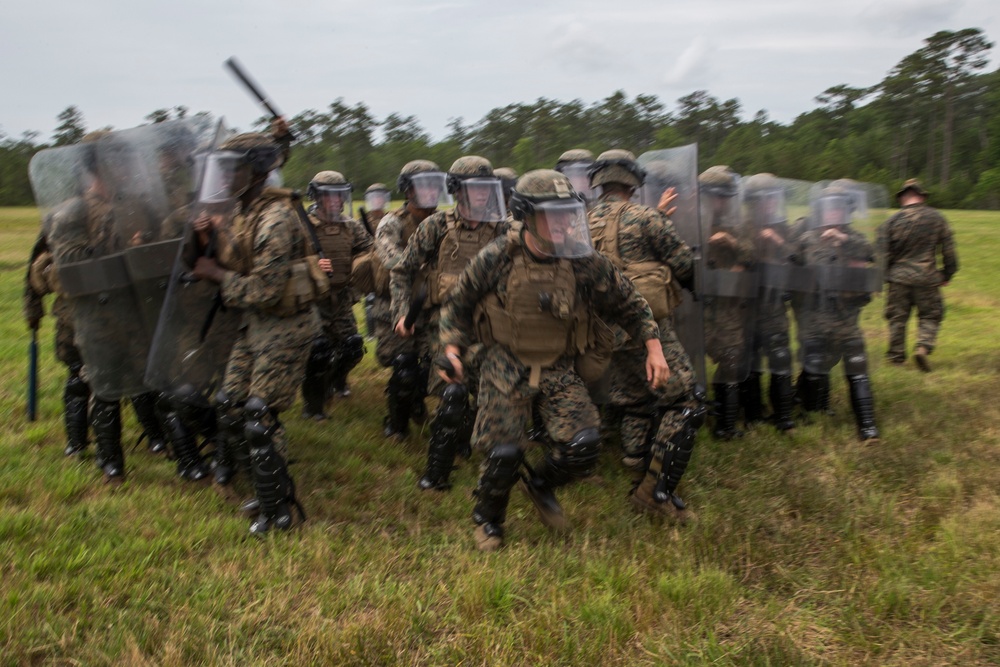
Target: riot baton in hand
<point>237,69</point>
<point>364,221</point>
<point>307,223</point>
<point>33,376</point>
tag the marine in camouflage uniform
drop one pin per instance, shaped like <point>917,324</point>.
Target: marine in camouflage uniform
<point>910,241</point>
<point>377,200</point>
<point>339,347</point>
<point>728,319</point>
<point>534,298</point>
<point>575,165</point>
<point>422,184</point>
<point>658,426</point>
<point>265,270</point>
<point>828,317</point>
<point>435,256</point>
<point>83,228</point>
<point>765,209</point>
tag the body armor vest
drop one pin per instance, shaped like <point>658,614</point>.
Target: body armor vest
<point>337,241</point>
<point>539,319</point>
<point>459,245</point>
<point>379,269</point>
<point>652,278</point>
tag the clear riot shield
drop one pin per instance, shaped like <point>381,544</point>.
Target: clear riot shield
<point>731,283</point>
<point>677,168</point>
<point>839,270</point>
<point>195,332</point>
<point>119,187</point>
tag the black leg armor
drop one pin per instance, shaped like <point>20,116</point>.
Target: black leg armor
<point>447,433</point>
<point>814,390</point>
<point>862,400</point>
<point>231,453</point>
<point>667,466</point>
<point>400,394</point>
<point>272,483</point>
<point>188,415</point>
<point>76,397</point>
<point>418,411</point>
<point>782,401</point>
<point>106,418</point>
<point>564,462</point>
<point>145,409</point>
<point>727,402</point>
<point>314,384</point>
<point>493,492</point>
<point>750,398</point>
<point>345,357</point>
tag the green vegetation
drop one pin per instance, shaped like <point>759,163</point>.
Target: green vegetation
<point>810,549</point>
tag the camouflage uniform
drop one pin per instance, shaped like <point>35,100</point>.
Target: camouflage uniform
<point>910,240</point>
<point>644,235</point>
<point>506,389</point>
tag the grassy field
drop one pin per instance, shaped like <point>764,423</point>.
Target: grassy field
<point>809,550</point>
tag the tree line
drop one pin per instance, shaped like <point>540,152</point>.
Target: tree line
<point>935,116</point>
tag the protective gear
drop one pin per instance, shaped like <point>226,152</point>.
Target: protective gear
<point>314,384</point>
<point>274,487</point>
<point>231,453</point>
<point>657,491</point>
<point>400,392</point>
<point>863,404</point>
<point>617,166</point>
<point>782,396</point>
<point>564,462</point>
<point>508,179</point>
<point>332,194</point>
<point>750,398</point>
<point>727,410</point>
<point>76,397</point>
<point>555,215</point>
<point>423,183</point>
<point>478,193</point>
<point>814,391</point>
<point>502,471</point>
<point>459,245</point>
<point>377,197</point>
<point>345,357</point>
<point>448,431</point>
<point>145,409</point>
<point>106,418</point>
<point>575,164</point>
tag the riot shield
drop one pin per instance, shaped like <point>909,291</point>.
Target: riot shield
<point>195,332</point>
<point>678,168</point>
<point>839,270</point>
<point>119,186</point>
<point>731,280</point>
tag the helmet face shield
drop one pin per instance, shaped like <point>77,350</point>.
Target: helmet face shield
<point>832,210</point>
<point>578,175</point>
<point>331,199</point>
<point>377,200</point>
<point>559,228</point>
<point>766,207</point>
<point>428,190</point>
<point>720,210</point>
<point>227,176</point>
<point>480,199</point>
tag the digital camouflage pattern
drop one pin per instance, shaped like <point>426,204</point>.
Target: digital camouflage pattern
<point>342,241</point>
<point>910,241</point>
<point>268,360</point>
<point>41,281</point>
<point>506,396</point>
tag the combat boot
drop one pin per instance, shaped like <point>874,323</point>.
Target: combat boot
<point>274,487</point>
<point>656,493</point>
<point>145,410</point>
<point>106,419</point>
<point>76,398</point>
<point>920,356</point>
<point>727,406</point>
<point>863,404</point>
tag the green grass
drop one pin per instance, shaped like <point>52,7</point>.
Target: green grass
<point>809,550</point>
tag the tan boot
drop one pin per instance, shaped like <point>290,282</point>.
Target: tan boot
<point>920,356</point>
<point>643,500</point>
<point>487,539</point>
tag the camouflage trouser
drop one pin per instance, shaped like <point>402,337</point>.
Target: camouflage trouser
<point>561,395</point>
<point>390,345</point>
<point>899,301</point>
<point>726,342</point>
<point>337,317</point>
<point>269,358</point>
<point>66,350</point>
<point>638,403</point>
<point>769,333</point>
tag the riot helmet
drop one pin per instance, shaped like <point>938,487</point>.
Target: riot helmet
<point>554,215</point>
<point>508,179</point>
<point>478,193</point>
<point>616,166</point>
<point>423,184</point>
<point>238,163</point>
<point>764,200</point>
<point>719,193</point>
<point>575,164</point>
<point>832,206</point>
<point>377,197</point>
<point>332,194</point>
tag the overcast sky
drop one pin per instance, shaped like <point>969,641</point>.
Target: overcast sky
<point>440,59</point>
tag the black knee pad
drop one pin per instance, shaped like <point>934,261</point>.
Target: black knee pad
<point>695,417</point>
<point>855,358</point>
<point>75,386</point>
<point>814,356</point>
<point>353,350</point>
<point>454,406</point>
<point>579,455</point>
<point>319,356</point>
<point>779,354</point>
<point>405,376</point>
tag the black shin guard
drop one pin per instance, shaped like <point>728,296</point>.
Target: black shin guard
<point>106,418</point>
<point>400,394</point>
<point>863,403</point>
<point>502,471</point>
<point>782,401</point>
<point>314,383</point>
<point>814,391</point>
<point>669,463</point>
<point>750,398</point>
<point>273,485</point>
<point>727,406</point>
<point>231,452</point>
<point>76,397</point>
<point>448,430</point>
<point>345,357</point>
<point>152,429</point>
